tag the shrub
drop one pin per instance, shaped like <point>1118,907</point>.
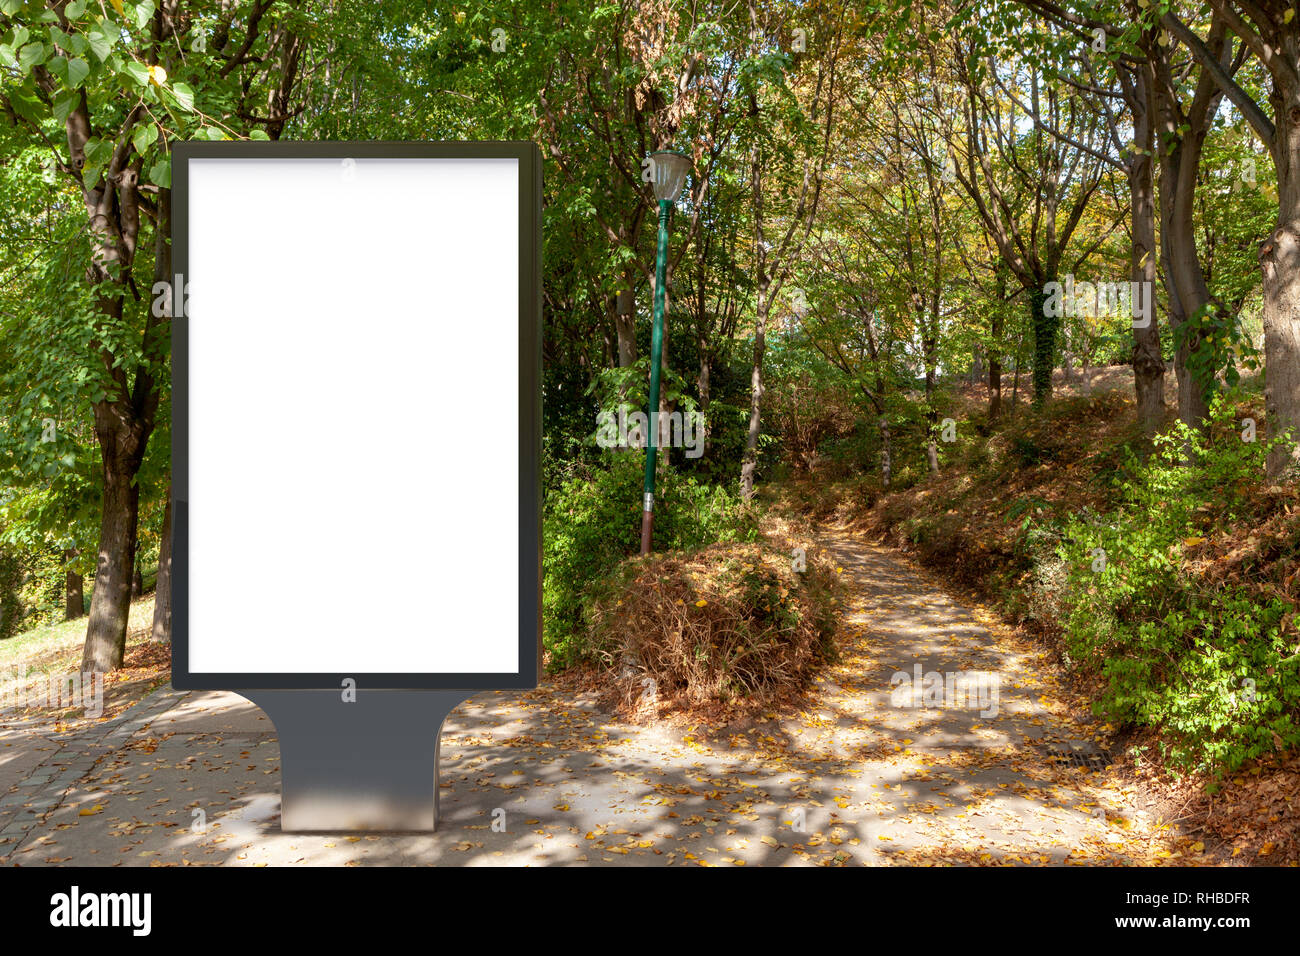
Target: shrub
<point>1206,663</point>
<point>723,623</point>
<point>592,522</point>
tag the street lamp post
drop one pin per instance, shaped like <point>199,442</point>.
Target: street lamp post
<point>669,169</point>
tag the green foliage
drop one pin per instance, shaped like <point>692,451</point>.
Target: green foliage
<point>593,521</point>
<point>1217,344</point>
<point>1205,663</point>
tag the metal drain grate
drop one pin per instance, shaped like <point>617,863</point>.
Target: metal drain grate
<point>1076,754</point>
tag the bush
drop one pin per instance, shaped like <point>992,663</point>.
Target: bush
<point>724,623</point>
<point>1206,663</point>
<point>593,522</point>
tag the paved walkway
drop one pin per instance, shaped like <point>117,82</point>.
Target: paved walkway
<point>865,774</point>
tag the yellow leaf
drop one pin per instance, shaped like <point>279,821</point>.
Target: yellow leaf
<point>1192,542</point>
<point>701,603</point>
<point>157,75</point>
<point>117,5</point>
<point>91,811</point>
<point>1288,16</point>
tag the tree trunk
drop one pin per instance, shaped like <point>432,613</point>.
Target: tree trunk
<point>74,594</point>
<point>749,462</point>
<point>886,456</point>
<point>110,603</point>
<point>997,323</point>
<point>123,423</point>
<point>137,574</point>
<point>702,385</point>
<point>1182,139</point>
<point>931,421</point>
<point>1191,407</point>
<point>1015,383</point>
<point>1044,327</point>
<point>162,608</point>
<point>1148,363</point>
<point>625,324</point>
<point>1279,259</point>
<point>124,418</point>
<point>995,387</point>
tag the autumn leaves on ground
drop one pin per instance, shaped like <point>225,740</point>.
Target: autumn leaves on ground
<point>904,562</point>
<point>771,693</point>
<point>780,683</point>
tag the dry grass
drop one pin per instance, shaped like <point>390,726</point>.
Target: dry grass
<point>56,651</point>
<point>732,625</point>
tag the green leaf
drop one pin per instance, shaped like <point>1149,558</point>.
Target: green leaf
<point>63,105</point>
<point>10,7</point>
<point>184,96</point>
<point>78,70</point>
<point>160,173</point>
<point>143,13</point>
<point>145,136</point>
<point>58,65</point>
<point>77,44</point>
<point>28,107</point>
<point>99,151</point>
<point>101,43</point>
<point>259,134</point>
<point>74,9</point>
<point>7,55</point>
<point>138,72</point>
<point>30,55</point>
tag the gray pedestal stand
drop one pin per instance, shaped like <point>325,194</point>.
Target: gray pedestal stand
<point>371,764</point>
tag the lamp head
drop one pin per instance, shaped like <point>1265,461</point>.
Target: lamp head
<point>669,169</point>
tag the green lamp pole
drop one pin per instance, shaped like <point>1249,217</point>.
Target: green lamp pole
<point>668,169</point>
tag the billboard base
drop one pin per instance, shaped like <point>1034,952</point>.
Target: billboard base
<point>370,763</point>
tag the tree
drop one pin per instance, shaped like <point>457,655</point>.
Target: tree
<point>790,175</point>
<point>1270,31</point>
<point>1030,189</point>
<point>107,85</point>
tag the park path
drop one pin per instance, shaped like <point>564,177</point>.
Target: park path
<point>855,777</point>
